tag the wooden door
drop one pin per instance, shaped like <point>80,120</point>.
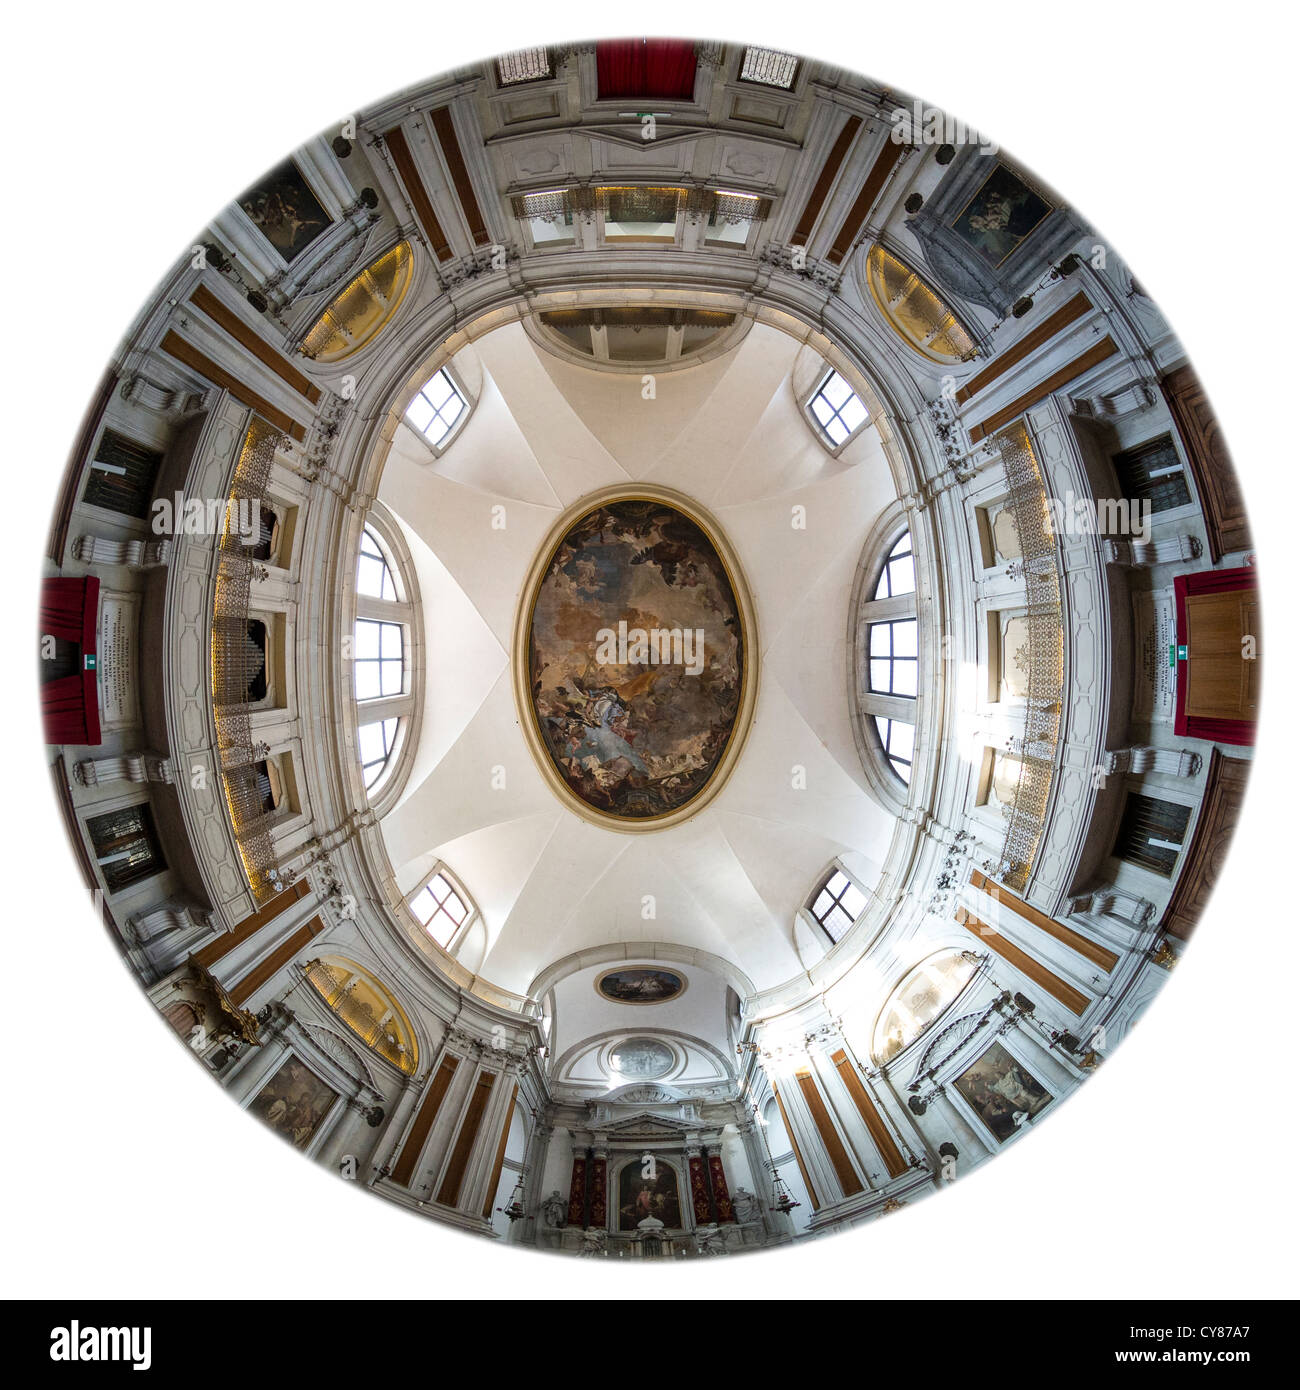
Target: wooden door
<point>1222,655</point>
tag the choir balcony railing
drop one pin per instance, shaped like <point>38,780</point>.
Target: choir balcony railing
<point>1041,658</point>
<point>237,662</point>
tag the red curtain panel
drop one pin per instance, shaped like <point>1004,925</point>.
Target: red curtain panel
<point>1239,732</point>
<point>70,704</point>
<point>659,69</point>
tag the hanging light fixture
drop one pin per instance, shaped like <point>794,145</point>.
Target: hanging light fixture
<point>514,1208</point>
<point>783,1199</point>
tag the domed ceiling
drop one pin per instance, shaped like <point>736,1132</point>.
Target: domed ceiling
<point>649,652</point>
<point>728,436</point>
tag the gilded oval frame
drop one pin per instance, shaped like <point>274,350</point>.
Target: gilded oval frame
<point>520,655</point>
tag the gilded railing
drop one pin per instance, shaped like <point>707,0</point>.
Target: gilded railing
<point>236,661</point>
<point>1041,658</point>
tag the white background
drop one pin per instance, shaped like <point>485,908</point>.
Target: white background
<point>128,126</point>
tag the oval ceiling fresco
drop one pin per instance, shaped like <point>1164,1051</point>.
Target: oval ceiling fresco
<point>640,984</point>
<point>636,651</point>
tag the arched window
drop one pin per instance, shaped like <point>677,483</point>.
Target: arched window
<point>438,409</point>
<point>442,908</point>
<point>836,409</point>
<point>919,999</point>
<point>888,659</point>
<point>837,904</point>
<point>383,656</point>
<point>359,1000</point>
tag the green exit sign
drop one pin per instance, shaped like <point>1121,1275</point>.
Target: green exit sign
<point>90,661</point>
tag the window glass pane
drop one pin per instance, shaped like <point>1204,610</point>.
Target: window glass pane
<point>853,413</point>
<point>902,576</point>
<point>837,882</point>
<point>904,679</point>
<point>903,737</point>
<point>419,413</point>
<point>823,905</point>
<point>370,741</point>
<point>837,430</point>
<point>370,576</point>
<point>854,900</point>
<point>391,644</point>
<point>836,390</point>
<point>905,637</point>
<point>365,680</point>
<point>454,908</point>
<point>365,639</point>
<point>439,389</point>
<point>424,906</point>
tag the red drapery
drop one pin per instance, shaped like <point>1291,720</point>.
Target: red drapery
<point>598,1192</point>
<point>661,69</point>
<point>70,704</point>
<point>1240,732</point>
<point>718,1184</point>
<point>699,1192</point>
<point>578,1192</point>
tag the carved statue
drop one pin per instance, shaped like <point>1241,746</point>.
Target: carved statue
<point>593,1242</point>
<point>746,1206</point>
<point>708,1241</point>
<point>555,1210</point>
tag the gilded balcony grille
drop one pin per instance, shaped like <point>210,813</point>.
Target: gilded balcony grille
<point>1041,658</point>
<point>379,1035</point>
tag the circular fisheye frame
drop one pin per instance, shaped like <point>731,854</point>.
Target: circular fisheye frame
<point>651,651</point>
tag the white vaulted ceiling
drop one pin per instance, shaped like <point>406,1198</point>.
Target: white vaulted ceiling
<point>730,434</point>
